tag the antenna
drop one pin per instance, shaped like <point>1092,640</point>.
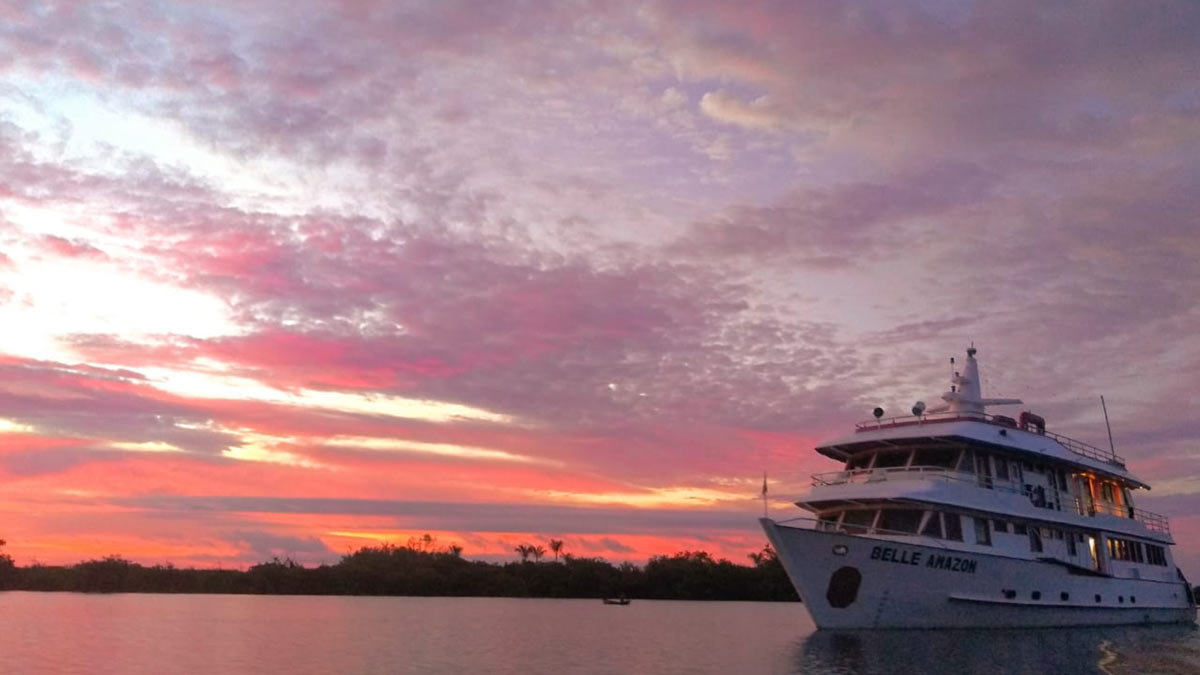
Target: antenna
<point>1111,448</point>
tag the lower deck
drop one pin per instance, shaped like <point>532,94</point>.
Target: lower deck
<point>849,581</point>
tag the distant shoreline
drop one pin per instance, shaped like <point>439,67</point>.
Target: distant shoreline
<point>404,571</point>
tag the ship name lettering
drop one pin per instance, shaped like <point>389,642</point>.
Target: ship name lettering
<point>951,563</point>
<point>900,556</point>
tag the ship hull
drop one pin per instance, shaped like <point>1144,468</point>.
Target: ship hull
<point>853,582</point>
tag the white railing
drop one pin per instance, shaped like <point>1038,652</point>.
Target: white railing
<point>1077,447</point>
<point>1153,521</point>
<point>859,530</point>
<point>855,476</point>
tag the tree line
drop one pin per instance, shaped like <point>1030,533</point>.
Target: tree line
<point>422,568</point>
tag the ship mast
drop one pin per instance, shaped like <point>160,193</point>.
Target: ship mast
<point>966,396</point>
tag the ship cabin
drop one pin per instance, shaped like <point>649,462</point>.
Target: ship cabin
<point>992,484</point>
<point>957,477</point>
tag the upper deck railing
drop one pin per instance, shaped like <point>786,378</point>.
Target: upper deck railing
<point>1153,521</point>
<point>1077,447</point>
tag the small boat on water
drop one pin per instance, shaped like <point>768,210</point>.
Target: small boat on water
<point>955,518</point>
<point>616,601</point>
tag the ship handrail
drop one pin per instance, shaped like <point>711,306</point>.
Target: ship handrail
<point>1078,447</point>
<point>826,526</point>
<point>918,472</point>
<point>1155,522</point>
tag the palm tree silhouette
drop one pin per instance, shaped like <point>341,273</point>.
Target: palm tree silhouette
<point>556,546</point>
<point>525,551</point>
<point>537,552</point>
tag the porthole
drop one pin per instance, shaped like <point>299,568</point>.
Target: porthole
<point>1064,596</point>
<point>1009,593</point>
<point>1133,599</point>
<point>843,587</point>
<point>1036,595</point>
<point>1097,597</point>
<point>1121,599</point>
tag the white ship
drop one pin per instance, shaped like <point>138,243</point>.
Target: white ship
<point>953,517</point>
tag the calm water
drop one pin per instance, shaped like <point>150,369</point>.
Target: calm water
<point>64,633</point>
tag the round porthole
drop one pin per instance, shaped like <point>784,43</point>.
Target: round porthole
<point>1036,595</point>
<point>1097,597</point>
<point>1064,596</point>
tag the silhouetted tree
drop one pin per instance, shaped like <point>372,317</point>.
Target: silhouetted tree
<point>556,546</point>
<point>537,552</point>
<point>524,551</point>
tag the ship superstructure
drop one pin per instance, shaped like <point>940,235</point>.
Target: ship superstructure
<point>955,517</point>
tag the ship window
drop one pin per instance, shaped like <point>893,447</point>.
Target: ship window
<point>1133,599</point>
<point>1035,539</point>
<point>1036,595</point>
<point>858,461</point>
<point>858,522</point>
<point>1121,599</point>
<point>943,457</point>
<point>1000,525</point>
<point>1064,596</point>
<point>889,459</point>
<point>1019,528</point>
<point>1071,544</point>
<point>933,526</point>
<point>982,534</point>
<point>1009,593</point>
<point>1001,469</point>
<point>828,522</point>
<point>901,520</point>
<point>953,526</point>
<point>1106,492</point>
<point>1097,597</point>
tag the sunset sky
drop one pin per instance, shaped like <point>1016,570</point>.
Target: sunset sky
<point>291,278</point>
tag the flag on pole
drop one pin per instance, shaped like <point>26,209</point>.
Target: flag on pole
<point>764,494</point>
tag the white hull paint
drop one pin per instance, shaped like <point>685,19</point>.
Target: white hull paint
<point>908,585</point>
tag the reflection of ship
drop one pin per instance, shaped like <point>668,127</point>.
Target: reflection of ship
<point>616,601</point>
<point>956,518</point>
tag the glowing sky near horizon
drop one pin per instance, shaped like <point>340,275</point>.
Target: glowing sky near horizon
<point>286,279</point>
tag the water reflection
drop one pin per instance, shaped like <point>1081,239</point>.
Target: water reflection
<point>1163,649</point>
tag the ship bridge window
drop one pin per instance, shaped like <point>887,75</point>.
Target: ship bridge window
<point>901,520</point>
<point>1035,539</point>
<point>858,462</point>
<point>858,522</point>
<point>933,526</point>
<point>943,457</point>
<point>1001,469</point>
<point>890,459</point>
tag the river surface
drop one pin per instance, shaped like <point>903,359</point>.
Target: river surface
<point>134,634</point>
